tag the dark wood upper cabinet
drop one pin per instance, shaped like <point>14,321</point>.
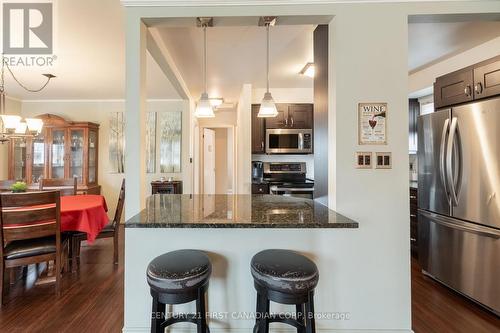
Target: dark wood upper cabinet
<point>487,79</point>
<point>454,88</point>
<point>292,116</point>
<point>281,120</point>
<point>300,116</point>
<point>258,132</point>
<point>471,83</point>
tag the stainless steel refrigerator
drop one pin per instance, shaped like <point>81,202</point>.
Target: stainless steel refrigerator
<point>459,199</point>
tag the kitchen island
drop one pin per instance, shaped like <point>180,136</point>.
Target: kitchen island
<point>231,229</point>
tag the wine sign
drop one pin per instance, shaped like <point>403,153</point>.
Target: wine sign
<point>372,123</point>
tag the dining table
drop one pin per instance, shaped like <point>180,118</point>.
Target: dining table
<point>84,213</point>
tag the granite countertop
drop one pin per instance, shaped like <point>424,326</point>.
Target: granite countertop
<point>414,184</point>
<point>235,211</point>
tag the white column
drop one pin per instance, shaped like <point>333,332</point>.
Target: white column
<point>135,113</point>
<point>369,63</point>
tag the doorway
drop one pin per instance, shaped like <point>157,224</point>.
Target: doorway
<point>217,167</point>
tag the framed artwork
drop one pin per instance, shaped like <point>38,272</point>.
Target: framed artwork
<point>170,131</point>
<point>116,142</point>
<point>372,123</point>
<point>151,142</point>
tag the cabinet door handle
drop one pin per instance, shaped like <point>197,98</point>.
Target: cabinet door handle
<point>467,90</point>
<point>412,197</point>
<point>286,121</point>
<point>413,239</point>
<point>478,88</point>
<point>413,215</point>
<point>291,119</point>
<point>262,145</point>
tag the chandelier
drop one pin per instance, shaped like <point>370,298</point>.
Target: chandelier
<point>13,126</point>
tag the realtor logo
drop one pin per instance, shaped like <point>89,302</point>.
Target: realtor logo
<point>27,28</point>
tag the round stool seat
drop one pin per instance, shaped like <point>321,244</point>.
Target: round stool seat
<point>285,271</point>
<point>179,271</point>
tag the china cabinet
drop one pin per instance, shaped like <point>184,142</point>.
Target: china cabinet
<point>64,149</point>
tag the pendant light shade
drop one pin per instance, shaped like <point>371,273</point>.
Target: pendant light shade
<point>267,106</point>
<point>204,108</point>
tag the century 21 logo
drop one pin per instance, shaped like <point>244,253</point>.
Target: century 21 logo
<point>27,28</point>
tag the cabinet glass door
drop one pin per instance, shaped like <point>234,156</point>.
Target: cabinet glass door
<point>37,158</point>
<point>92,157</point>
<point>19,155</point>
<point>76,154</point>
<point>58,154</point>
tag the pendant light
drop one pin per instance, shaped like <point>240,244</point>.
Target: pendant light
<point>204,108</point>
<point>267,106</point>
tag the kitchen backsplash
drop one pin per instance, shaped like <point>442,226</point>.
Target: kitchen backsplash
<point>308,159</point>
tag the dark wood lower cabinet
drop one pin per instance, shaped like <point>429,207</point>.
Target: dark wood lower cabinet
<point>159,187</point>
<point>413,221</point>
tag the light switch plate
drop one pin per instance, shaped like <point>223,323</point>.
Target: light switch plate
<point>383,160</point>
<point>363,160</point>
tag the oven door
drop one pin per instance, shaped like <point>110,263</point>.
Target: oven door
<point>299,192</point>
<point>287,141</point>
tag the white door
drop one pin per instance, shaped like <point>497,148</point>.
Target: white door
<point>208,161</point>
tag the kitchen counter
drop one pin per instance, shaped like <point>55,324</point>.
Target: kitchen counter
<point>231,229</point>
<point>236,211</point>
<point>414,184</point>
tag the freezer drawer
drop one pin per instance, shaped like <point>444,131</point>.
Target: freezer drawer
<point>462,255</point>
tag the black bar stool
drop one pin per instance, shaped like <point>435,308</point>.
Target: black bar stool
<point>175,278</point>
<point>285,277</point>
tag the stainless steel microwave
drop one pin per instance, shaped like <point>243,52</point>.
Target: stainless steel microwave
<point>289,141</point>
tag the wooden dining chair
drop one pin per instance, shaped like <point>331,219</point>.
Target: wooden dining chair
<point>30,233</point>
<point>112,229</point>
<point>6,184</point>
<point>65,186</point>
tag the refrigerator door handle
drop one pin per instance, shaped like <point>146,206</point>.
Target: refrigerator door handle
<point>442,157</point>
<point>459,225</point>
<point>449,160</point>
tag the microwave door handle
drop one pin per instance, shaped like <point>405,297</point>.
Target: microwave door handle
<point>449,160</point>
<point>442,157</point>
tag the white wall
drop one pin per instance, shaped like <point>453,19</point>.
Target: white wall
<point>244,141</point>
<point>368,63</point>
<point>98,112</point>
<point>12,106</point>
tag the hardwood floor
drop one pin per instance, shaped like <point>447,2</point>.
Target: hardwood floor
<point>92,301</point>
<point>438,309</point>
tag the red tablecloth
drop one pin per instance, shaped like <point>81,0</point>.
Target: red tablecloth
<point>84,213</point>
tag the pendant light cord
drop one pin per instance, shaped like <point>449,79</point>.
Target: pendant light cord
<point>205,57</point>
<point>267,53</point>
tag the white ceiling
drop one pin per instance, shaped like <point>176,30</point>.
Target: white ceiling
<point>431,42</point>
<point>90,49</point>
<point>237,55</point>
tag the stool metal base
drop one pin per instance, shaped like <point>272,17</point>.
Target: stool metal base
<point>304,310</point>
<point>160,299</point>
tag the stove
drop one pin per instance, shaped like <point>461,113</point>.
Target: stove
<point>288,179</point>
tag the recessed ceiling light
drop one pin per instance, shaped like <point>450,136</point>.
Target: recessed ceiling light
<point>308,69</point>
